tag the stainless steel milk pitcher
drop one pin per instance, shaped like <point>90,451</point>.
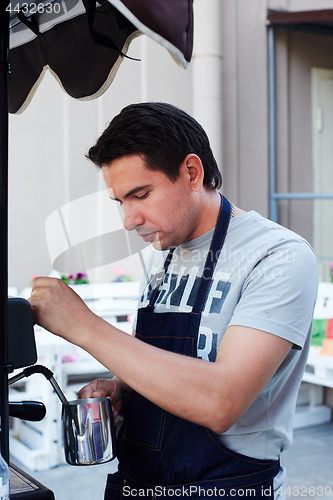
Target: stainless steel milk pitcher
<point>89,433</point>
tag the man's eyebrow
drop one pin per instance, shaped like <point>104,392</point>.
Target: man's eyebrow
<point>131,192</point>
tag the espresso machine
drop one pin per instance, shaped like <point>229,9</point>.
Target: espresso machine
<point>21,353</point>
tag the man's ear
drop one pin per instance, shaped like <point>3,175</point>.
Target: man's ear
<point>193,168</point>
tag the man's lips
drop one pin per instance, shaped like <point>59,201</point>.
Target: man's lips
<point>148,236</point>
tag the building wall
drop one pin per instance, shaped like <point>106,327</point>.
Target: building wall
<point>245,164</point>
<point>47,168</point>
<point>245,104</point>
<point>296,54</point>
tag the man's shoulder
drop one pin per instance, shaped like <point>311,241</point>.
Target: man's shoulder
<point>260,229</point>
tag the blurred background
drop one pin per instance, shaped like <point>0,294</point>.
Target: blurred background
<point>261,84</point>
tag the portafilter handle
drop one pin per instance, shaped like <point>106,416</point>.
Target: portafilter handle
<point>30,370</point>
<point>34,411</point>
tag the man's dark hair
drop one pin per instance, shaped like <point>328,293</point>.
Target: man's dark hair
<point>162,134</point>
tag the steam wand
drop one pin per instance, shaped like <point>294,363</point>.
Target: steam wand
<point>47,374</point>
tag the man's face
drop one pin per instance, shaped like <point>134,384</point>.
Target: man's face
<point>161,211</point>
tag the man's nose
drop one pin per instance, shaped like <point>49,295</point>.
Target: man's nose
<point>132,219</point>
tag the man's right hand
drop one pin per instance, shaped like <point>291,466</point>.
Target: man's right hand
<point>113,389</point>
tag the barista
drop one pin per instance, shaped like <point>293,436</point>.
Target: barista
<point>210,377</point>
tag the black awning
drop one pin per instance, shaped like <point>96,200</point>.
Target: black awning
<point>317,21</point>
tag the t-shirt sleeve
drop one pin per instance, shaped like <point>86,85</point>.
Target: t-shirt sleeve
<point>279,294</point>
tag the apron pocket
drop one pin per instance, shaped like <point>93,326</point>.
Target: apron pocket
<point>144,423</point>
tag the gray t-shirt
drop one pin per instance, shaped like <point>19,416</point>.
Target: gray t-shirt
<point>265,278</point>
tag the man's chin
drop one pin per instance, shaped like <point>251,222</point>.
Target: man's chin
<point>162,246</point>
<point>157,245</point>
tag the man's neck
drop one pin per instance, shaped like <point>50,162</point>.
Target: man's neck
<point>208,207</point>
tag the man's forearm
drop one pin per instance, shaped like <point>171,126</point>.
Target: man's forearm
<point>179,384</point>
<point>214,395</point>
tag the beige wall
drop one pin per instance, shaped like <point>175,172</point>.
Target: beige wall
<point>245,103</point>
<point>48,141</point>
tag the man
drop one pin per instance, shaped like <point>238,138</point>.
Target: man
<point>208,382</point>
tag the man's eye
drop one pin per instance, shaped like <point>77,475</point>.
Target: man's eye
<point>143,196</point>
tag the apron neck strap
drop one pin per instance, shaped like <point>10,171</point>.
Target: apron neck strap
<point>158,279</point>
<point>216,245</point>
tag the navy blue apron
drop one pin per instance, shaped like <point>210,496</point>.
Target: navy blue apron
<point>161,455</point>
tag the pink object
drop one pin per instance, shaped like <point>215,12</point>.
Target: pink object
<point>119,271</point>
<point>69,358</point>
<point>329,329</point>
